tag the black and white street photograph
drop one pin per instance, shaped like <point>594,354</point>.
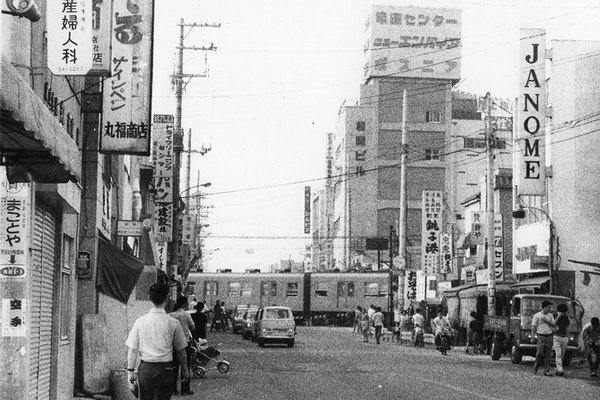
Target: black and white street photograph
<point>314,200</point>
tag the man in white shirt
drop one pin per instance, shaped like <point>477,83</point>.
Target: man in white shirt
<point>378,323</point>
<point>542,328</point>
<point>441,327</point>
<point>152,339</point>
<point>417,320</point>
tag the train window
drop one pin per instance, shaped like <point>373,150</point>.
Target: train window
<point>383,290</point>
<point>350,289</point>
<point>211,288</point>
<point>235,289</point>
<point>321,289</point>
<point>246,289</point>
<point>292,289</point>
<point>268,289</point>
<point>371,289</point>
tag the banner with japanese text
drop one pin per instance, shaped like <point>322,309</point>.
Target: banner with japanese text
<point>163,222</point>
<point>187,234</point>
<point>101,34</point>
<point>431,230</point>
<point>15,220</point>
<point>498,247</point>
<point>307,209</point>
<point>162,157</point>
<point>445,254</point>
<point>126,108</point>
<point>69,33</point>
<point>477,226</point>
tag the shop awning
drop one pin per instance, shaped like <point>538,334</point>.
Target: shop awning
<point>31,136</point>
<point>531,282</point>
<point>118,272</point>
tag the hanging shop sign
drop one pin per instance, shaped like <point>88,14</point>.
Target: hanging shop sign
<point>413,42</point>
<point>69,32</point>
<point>14,227</point>
<point>187,227</point>
<point>101,33</point>
<point>531,113</point>
<point>162,251</point>
<point>498,247</point>
<point>14,317</point>
<point>431,230</point>
<point>127,93</point>
<point>445,254</point>
<point>162,157</point>
<point>477,228</point>
<point>130,228</point>
<point>307,209</point>
<point>163,222</point>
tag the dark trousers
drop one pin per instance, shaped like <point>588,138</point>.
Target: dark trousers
<point>594,364</point>
<point>378,333</point>
<point>544,352</point>
<point>155,380</point>
<point>185,384</point>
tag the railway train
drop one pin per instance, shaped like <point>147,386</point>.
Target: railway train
<point>315,298</point>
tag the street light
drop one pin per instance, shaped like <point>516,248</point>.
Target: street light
<point>207,184</point>
<point>519,213</point>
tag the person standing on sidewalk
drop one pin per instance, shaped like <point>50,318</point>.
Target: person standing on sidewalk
<point>153,338</point>
<point>378,324</point>
<point>542,327</point>
<point>187,324</point>
<point>590,337</point>
<point>561,336</point>
<point>476,327</point>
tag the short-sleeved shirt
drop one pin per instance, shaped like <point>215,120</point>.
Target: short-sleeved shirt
<point>155,335</point>
<point>418,319</point>
<point>543,323</point>
<point>476,325</point>
<point>186,321</point>
<point>440,323</point>
<point>378,319</point>
<point>562,325</point>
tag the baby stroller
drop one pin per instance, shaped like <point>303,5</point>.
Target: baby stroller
<point>203,355</point>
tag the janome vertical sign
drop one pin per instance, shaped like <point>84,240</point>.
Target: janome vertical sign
<point>531,113</point>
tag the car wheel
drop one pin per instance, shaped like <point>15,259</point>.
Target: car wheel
<point>291,343</point>
<point>496,349</point>
<point>261,342</point>
<point>199,372</point>
<point>245,336</point>
<point>223,367</point>
<point>515,354</point>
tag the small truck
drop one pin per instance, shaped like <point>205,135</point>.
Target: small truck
<point>512,334</point>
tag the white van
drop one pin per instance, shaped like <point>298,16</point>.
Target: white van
<point>274,325</point>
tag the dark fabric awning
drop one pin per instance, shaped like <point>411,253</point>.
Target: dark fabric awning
<point>31,136</point>
<point>118,272</point>
<point>532,282</point>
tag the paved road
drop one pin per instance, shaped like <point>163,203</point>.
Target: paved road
<point>333,363</point>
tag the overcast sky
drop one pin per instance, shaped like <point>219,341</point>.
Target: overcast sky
<point>280,73</point>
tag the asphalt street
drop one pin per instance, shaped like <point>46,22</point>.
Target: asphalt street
<point>333,363</point>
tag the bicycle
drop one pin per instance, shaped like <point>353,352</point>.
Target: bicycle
<point>419,338</point>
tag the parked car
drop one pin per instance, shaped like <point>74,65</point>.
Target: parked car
<point>238,316</point>
<point>274,325</point>
<point>248,323</point>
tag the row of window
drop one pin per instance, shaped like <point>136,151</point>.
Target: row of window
<point>430,117</point>
<point>269,288</point>
<point>430,154</point>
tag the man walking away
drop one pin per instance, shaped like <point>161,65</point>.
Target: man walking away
<point>217,317</point>
<point>187,324</point>
<point>561,337</point>
<point>357,319</point>
<point>378,324</point>
<point>590,337</point>
<point>542,327</point>
<point>476,327</point>
<point>153,337</point>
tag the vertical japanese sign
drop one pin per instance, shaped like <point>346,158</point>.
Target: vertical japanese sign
<point>476,228</point>
<point>307,209</point>
<point>163,253</point>
<point>162,158</point>
<point>445,254</point>
<point>14,228</point>
<point>127,93</point>
<point>69,25</point>
<point>101,34</point>
<point>531,113</point>
<point>498,247</point>
<point>163,222</point>
<point>432,221</point>
<point>187,236</point>
<point>14,313</point>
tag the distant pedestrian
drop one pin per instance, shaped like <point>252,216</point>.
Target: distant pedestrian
<point>542,327</point>
<point>224,317</point>
<point>200,321</point>
<point>561,336</point>
<point>476,327</point>
<point>370,312</point>
<point>357,318</point>
<point>365,326</point>
<point>152,339</point>
<point>217,316</point>
<point>590,338</point>
<point>378,324</point>
<point>187,324</point>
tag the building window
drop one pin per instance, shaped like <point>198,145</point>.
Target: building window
<point>458,216</point>
<point>321,289</point>
<point>361,140</point>
<point>361,126</point>
<point>246,289</point>
<point>361,155</point>
<point>235,289</point>
<point>371,289</point>
<point>432,154</point>
<point>292,289</point>
<point>268,289</point>
<point>66,288</point>
<point>432,116</point>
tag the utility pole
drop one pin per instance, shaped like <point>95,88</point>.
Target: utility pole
<point>178,138</point>
<point>403,209</point>
<point>490,143</point>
